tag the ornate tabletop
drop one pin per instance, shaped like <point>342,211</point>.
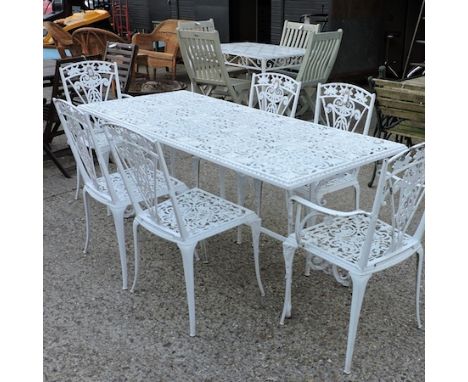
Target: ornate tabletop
<point>283,151</point>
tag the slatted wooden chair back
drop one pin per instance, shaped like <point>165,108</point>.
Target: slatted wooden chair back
<point>124,55</point>
<point>63,40</point>
<point>297,35</point>
<point>319,58</point>
<point>404,100</point>
<point>94,40</point>
<point>344,106</point>
<point>90,81</point>
<point>204,59</point>
<point>275,93</point>
<point>200,26</point>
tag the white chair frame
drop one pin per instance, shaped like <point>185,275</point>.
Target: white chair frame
<point>183,219</point>
<point>108,188</point>
<point>87,82</point>
<point>381,245</point>
<point>201,26</point>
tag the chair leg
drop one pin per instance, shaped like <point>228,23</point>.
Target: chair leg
<point>187,258</point>
<point>288,254</point>
<point>240,200</point>
<point>255,226</point>
<point>196,171</point>
<point>87,220</point>
<point>118,215</point>
<point>55,160</point>
<point>77,193</point>
<point>136,245</point>
<point>420,254</point>
<point>359,289</point>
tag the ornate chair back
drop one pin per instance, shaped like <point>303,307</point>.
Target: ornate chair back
<point>144,158</point>
<point>344,106</point>
<point>80,136</point>
<point>401,190</point>
<point>275,93</point>
<point>90,81</point>
<point>297,35</point>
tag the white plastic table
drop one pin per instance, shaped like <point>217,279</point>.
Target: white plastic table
<point>263,57</point>
<point>282,151</point>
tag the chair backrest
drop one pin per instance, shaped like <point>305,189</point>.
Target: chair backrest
<point>80,136</point>
<point>133,151</point>
<point>63,40</point>
<point>203,58</point>
<point>164,31</point>
<point>319,58</point>
<point>90,81</point>
<point>94,40</point>
<point>401,190</point>
<point>275,93</point>
<point>201,26</point>
<point>344,106</point>
<point>124,55</point>
<point>297,35</point>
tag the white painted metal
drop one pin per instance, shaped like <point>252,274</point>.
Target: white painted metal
<point>297,35</point>
<point>184,219</point>
<point>282,151</point>
<point>262,57</point>
<point>107,188</point>
<point>361,242</point>
<point>91,81</point>
<point>275,93</point>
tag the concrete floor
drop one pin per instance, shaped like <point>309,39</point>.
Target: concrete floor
<point>95,331</point>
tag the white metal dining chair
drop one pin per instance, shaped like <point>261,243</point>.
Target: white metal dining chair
<point>87,82</point>
<point>102,185</point>
<point>183,219</point>
<point>363,243</point>
<point>297,35</point>
<point>345,107</point>
<point>274,93</point>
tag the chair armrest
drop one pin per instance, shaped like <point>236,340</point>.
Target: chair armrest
<point>323,210</point>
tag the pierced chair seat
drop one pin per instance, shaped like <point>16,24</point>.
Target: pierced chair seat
<point>342,238</point>
<point>204,214</point>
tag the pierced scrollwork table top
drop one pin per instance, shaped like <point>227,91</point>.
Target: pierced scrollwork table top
<point>283,151</point>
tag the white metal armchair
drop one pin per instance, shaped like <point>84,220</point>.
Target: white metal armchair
<point>361,242</point>
<point>108,187</point>
<point>183,219</point>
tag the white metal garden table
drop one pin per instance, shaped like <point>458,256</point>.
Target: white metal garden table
<point>285,152</point>
<point>263,57</point>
